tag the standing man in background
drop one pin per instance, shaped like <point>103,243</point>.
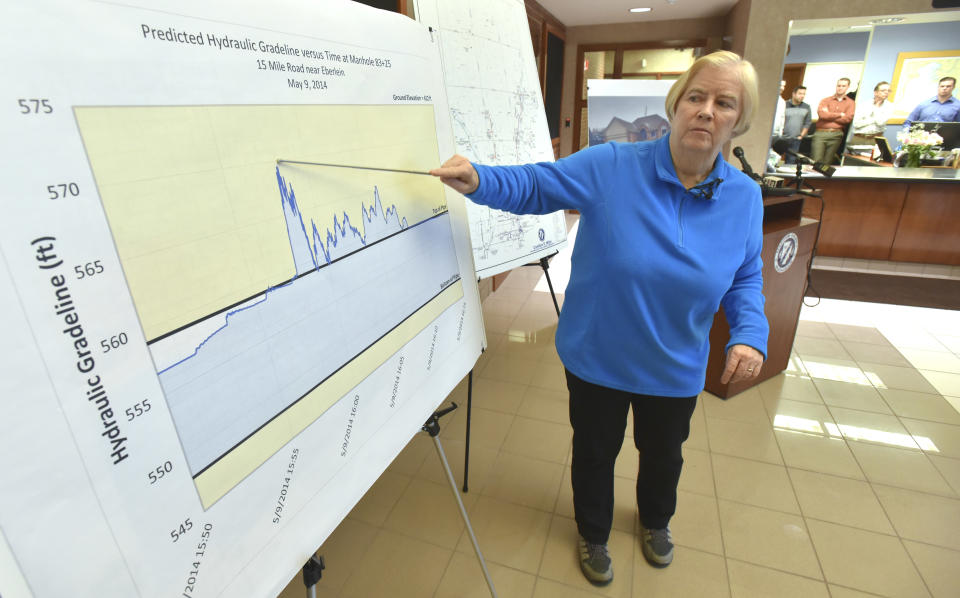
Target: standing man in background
<point>871,119</point>
<point>834,113</point>
<point>943,107</point>
<point>778,116</point>
<point>796,122</point>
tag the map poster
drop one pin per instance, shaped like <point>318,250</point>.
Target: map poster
<point>498,119</point>
<point>229,294</point>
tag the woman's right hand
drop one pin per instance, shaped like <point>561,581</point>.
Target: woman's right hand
<point>459,174</point>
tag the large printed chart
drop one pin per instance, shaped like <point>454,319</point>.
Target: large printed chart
<point>226,329</point>
<point>498,118</point>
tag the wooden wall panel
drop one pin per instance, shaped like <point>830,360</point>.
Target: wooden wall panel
<point>929,230</point>
<point>860,218</point>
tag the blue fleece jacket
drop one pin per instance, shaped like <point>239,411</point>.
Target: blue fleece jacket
<point>652,261</point>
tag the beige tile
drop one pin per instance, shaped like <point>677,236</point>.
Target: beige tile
<point>510,369</point>
<point>696,523</point>
<point>628,460</point>
<point>380,499</point>
<point>752,581</point>
<point>874,428</point>
<point>814,329</point>
<point>803,417</point>
<point>939,361</point>
<point>874,353</point>
<point>838,370</point>
<point>524,345</point>
<point>497,306</point>
<point>560,561</point>
<point>692,573</point>
<point>949,469</point>
<point>905,336</point>
<point>852,396</point>
<point>950,341</point>
<point>945,438</point>
<point>550,376</point>
<point>547,405</point>
<point>496,324</point>
<point>497,395</point>
<point>859,334</point>
<point>410,459</point>
<point>842,592</point>
<point>819,347</point>
<point>818,453</point>
<point>697,473</point>
<point>624,502</point>
<point>405,567</point>
<point>745,407</point>
<point>922,517</point>
<point>342,552</point>
<point>464,579</point>
<point>508,534</point>
<point>919,405</point>
<point>938,567</point>
<point>751,441</point>
<point>768,538</point>
<point>946,383</point>
<point>538,439</point>
<point>865,560</point>
<point>429,512</point>
<point>788,386</point>
<point>524,481</point>
<point>754,483</point>
<point>890,376</point>
<point>839,500</point>
<point>488,428</point>
<point>479,469</point>
<point>547,588</point>
<point>899,467</point>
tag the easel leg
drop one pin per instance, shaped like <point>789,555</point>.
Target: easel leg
<point>466,452</point>
<point>432,427</point>
<point>546,265</point>
<point>312,572</point>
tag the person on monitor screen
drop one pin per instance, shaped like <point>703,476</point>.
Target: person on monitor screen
<point>941,108</point>
<point>871,119</point>
<point>833,114</point>
<point>669,231</point>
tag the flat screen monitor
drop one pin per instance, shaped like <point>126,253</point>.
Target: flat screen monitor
<point>949,131</point>
<point>883,145</point>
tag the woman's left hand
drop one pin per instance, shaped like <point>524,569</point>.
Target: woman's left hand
<point>743,363</point>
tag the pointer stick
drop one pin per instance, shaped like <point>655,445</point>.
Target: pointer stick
<point>355,167</point>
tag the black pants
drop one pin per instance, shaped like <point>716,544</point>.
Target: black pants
<point>599,418</point>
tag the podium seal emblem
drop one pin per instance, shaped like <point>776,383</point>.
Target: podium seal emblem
<point>786,252</point>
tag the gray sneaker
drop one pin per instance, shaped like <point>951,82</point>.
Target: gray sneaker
<point>657,545</point>
<point>595,563</point>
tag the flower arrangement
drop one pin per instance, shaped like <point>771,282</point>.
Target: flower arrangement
<point>918,144</point>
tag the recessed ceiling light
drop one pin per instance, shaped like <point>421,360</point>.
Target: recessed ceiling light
<point>640,9</point>
<point>861,26</point>
<point>886,20</point>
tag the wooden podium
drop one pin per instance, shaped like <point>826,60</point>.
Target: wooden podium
<point>788,240</point>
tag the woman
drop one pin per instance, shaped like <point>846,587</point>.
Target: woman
<point>668,232</point>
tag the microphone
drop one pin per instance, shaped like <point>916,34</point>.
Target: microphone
<point>706,189</point>
<point>824,169</point>
<point>744,165</point>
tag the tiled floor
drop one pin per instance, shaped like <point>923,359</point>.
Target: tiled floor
<point>839,477</point>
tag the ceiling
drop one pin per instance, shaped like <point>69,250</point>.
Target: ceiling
<point>580,12</point>
<point>853,24</point>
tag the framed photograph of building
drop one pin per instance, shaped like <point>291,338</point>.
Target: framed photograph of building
<point>626,110</point>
